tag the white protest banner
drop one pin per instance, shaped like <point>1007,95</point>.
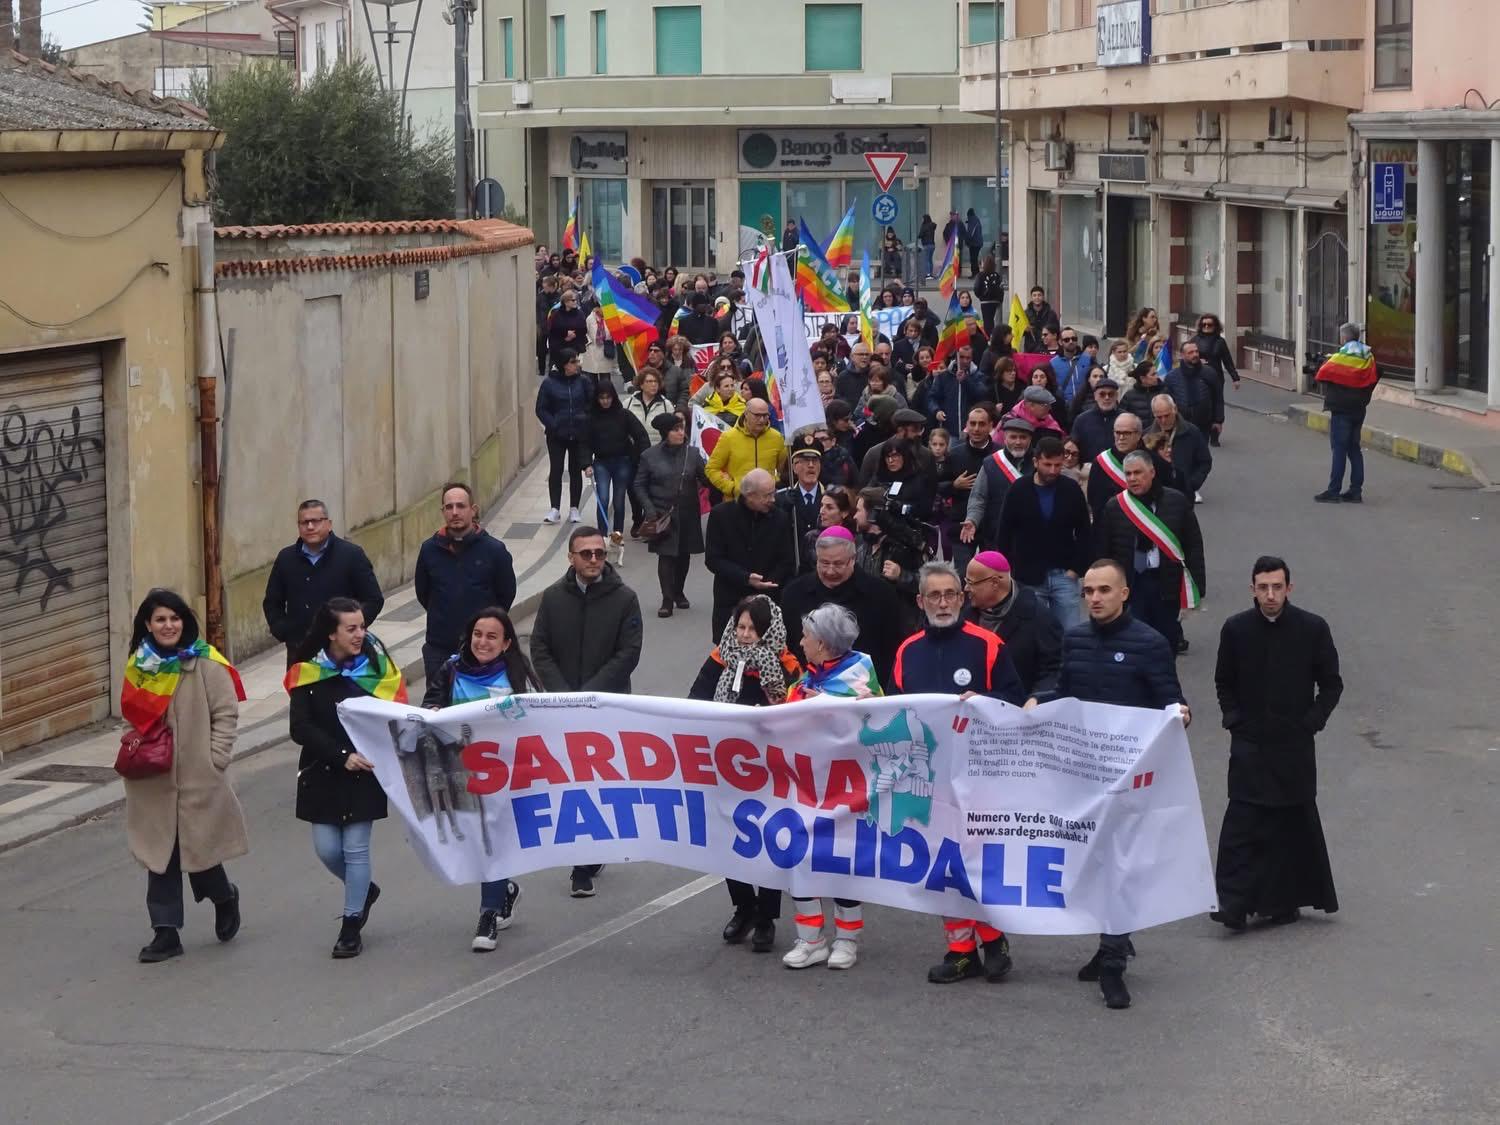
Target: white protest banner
<point>1070,818</point>
<point>706,431</point>
<point>703,355</point>
<point>888,321</point>
<point>776,312</point>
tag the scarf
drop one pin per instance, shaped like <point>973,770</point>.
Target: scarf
<point>762,660</point>
<point>373,670</point>
<point>151,678</point>
<point>716,405</point>
<point>472,683</point>
<point>842,678</point>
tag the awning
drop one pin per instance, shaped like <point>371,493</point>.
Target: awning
<point>1073,187</point>
<point>1260,194</point>
<point>1176,189</point>
<point>1318,200</point>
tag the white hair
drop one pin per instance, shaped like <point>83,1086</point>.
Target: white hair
<point>1139,457</point>
<point>833,625</point>
<point>936,569</point>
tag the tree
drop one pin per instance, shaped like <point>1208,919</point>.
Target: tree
<point>333,151</point>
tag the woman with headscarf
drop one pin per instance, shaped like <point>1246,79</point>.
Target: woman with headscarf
<point>751,666</point>
<point>666,485</point>
<point>834,669</point>
<point>185,818</point>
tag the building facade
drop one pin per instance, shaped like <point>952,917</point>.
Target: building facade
<point>688,130</point>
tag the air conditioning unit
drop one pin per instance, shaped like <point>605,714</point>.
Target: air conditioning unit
<point>1206,125</point>
<point>1058,156</point>
<point>1279,123</point>
<point>1140,126</point>
<point>520,94</point>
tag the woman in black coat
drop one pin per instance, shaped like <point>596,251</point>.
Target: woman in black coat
<point>990,291</point>
<point>1218,356</point>
<point>616,439</point>
<point>567,325</point>
<point>667,480</point>
<point>337,792</point>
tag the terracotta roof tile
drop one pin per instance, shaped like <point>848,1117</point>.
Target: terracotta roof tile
<point>488,236</point>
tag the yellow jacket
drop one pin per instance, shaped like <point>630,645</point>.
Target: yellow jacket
<point>737,453</point>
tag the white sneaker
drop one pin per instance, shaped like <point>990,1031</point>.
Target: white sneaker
<point>552,516</point>
<point>845,953</point>
<point>573,516</point>
<point>1197,498</point>
<point>806,954</point>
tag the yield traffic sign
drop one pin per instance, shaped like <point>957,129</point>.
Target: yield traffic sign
<point>885,167</point>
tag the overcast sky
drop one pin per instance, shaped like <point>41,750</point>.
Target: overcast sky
<point>76,22</point>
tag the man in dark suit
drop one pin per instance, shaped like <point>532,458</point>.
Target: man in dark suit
<point>317,567</point>
<point>747,547</point>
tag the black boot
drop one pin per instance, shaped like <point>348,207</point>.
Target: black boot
<point>997,959</point>
<point>763,937</point>
<point>1090,970</point>
<point>371,896</point>
<point>739,926</point>
<point>1235,922</point>
<point>955,967</point>
<point>164,945</point>
<point>349,943</point>
<point>227,915</point>
<point>1112,984</point>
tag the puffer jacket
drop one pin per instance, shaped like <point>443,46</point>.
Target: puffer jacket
<point>1125,662</point>
<point>737,453</point>
<point>562,405</point>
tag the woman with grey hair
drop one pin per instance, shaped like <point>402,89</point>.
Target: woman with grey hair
<point>833,668</point>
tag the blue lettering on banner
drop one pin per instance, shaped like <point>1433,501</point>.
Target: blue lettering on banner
<point>1044,876</point>
<point>577,815</point>
<point>790,855</point>
<point>581,817</point>
<point>824,859</point>
<point>532,814</point>
<point>1387,193</point>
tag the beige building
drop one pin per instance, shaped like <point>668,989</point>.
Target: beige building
<point>686,130</point>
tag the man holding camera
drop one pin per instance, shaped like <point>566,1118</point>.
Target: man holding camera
<point>892,546</point>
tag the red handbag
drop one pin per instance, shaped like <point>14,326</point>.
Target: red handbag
<point>145,753</point>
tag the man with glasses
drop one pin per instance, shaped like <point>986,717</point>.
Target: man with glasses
<point>952,656</point>
<point>1069,365</point>
<point>836,579</point>
<point>317,567</point>
<point>1045,533</point>
<point>751,444</point>
<point>587,637</point>
<point>1093,428</point>
<point>1107,477</point>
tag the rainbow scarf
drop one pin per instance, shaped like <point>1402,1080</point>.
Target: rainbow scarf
<point>152,677</point>
<point>374,671</point>
<point>839,252</point>
<point>1352,366</point>
<point>842,678</point>
<point>471,685</point>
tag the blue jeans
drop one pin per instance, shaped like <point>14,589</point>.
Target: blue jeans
<point>1063,596</point>
<point>345,851</point>
<point>1343,438</point>
<point>612,477</point>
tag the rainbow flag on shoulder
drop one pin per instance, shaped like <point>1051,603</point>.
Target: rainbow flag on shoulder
<point>374,671</point>
<point>151,679</point>
<point>1352,366</point>
<point>850,677</point>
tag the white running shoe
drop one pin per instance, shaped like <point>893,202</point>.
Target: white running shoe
<point>806,954</point>
<point>573,516</point>
<point>845,953</point>
<point>552,516</point>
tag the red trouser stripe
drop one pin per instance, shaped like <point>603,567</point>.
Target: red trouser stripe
<point>843,924</point>
<point>813,920</point>
<point>988,933</point>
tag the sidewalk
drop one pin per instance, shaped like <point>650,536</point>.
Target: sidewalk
<point>1465,449</point>
<point>71,779</point>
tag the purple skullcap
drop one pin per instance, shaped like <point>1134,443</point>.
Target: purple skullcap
<point>837,532</point>
<point>994,560</point>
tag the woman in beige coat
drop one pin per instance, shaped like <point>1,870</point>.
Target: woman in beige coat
<point>186,819</point>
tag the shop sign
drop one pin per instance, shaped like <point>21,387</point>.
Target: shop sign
<point>1124,33</point>
<point>827,150</point>
<point>1388,193</point>
<point>600,153</point>
<point>1126,167</point>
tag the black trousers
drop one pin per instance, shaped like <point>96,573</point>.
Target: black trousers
<point>763,904</point>
<point>1149,602</point>
<point>557,450</point>
<point>1272,860</point>
<point>671,575</point>
<point>164,891</point>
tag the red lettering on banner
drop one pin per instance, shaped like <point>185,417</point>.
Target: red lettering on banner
<point>534,762</point>
<point>846,786</point>
<point>487,772</point>
<point>636,745</point>
<point>589,753</point>
<point>728,754</point>
<point>783,775</point>
<point>693,758</point>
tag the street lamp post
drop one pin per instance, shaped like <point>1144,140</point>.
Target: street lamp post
<point>459,13</point>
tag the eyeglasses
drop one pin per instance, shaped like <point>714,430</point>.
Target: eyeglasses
<point>982,581</point>
<point>1122,433</point>
<point>312,522</point>
<point>945,596</point>
<point>1070,339</point>
<point>591,554</point>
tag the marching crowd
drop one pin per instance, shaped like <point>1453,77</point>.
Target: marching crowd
<point>1019,523</point>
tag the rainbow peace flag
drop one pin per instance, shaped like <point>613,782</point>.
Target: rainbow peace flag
<point>1352,366</point>
<point>948,275</point>
<point>817,284</point>
<point>374,671</point>
<point>952,335</point>
<point>866,303</point>
<point>852,676</point>
<point>570,232</point>
<point>151,679</point>
<point>629,318</point>
<point>839,253</point>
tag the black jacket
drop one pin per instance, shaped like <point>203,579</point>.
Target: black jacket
<point>327,793</point>
<point>587,642</point>
<point>562,321</point>
<point>1033,641</point>
<point>296,586</point>
<point>1034,545</point>
<point>955,659</point>
<point>700,328</point>
<point>616,432</point>
<point>562,405</point>
<point>873,601</point>
<point>739,543</point>
<point>1278,682</point>
<point>1101,489</point>
<point>1036,320</point>
<point>1192,460</point>
<point>1338,399</point>
<point>1125,662</point>
<point>1119,539</point>
<point>1199,398</point>
<point>804,523</point>
<point>988,288</point>
<point>1094,432</point>
<point>454,581</point>
<point>1137,400</point>
<point>1217,354</point>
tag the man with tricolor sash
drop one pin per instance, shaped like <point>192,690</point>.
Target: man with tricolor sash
<point>997,473</point>
<point>1348,380</point>
<point>1152,532</point>
<point>1107,478</point>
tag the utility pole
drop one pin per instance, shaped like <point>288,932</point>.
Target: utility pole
<point>459,13</point>
<point>1002,219</point>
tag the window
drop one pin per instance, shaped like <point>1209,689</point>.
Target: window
<point>338,39</point>
<point>508,47</point>
<point>983,23</point>
<point>601,214</point>
<point>682,223</point>
<point>1393,44</point>
<point>177,81</point>
<point>304,61</point>
<point>559,47</point>
<point>320,36</point>
<point>679,40</point>
<point>600,51</point>
<point>832,37</point>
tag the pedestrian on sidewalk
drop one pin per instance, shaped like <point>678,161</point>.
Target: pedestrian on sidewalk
<point>489,665</point>
<point>337,792</point>
<point>615,440</point>
<point>317,567</point>
<point>666,487</point>
<point>187,818</point>
<point>1113,658</point>
<point>587,637</point>
<point>562,407</point>
<point>459,571</point>
<point>752,667</point>
<point>1278,682</point>
<point>1348,380</point>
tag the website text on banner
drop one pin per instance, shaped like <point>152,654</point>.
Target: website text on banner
<point>1069,818</point>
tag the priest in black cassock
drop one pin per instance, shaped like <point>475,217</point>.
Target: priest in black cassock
<point>1278,682</point>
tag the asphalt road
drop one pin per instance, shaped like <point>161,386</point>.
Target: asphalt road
<point>628,1008</point>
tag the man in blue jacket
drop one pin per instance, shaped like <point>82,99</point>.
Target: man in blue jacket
<point>460,570</point>
<point>1113,658</point>
<point>952,656</point>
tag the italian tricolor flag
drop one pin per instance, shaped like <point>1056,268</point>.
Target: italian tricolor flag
<point>1149,524</point>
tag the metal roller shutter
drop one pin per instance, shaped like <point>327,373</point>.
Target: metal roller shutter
<point>54,565</point>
